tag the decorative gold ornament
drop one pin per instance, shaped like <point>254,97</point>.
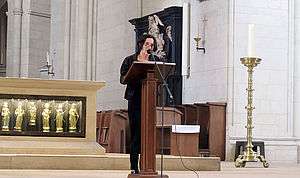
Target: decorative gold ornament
<point>32,112</point>
<point>5,117</point>
<point>59,118</point>
<point>249,155</point>
<point>46,117</point>
<point>19,112</point>
<point>73,118</point>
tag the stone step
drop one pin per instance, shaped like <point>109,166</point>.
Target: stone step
<point>109,161</point>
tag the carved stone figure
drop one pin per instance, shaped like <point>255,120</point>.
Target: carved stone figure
<point>169,32</point>
<point>46,117</point>
<point>168,43</point>
<point>5,117</point>
<point>73,118</point>
<point>153,29</point>
<point>19,112</point>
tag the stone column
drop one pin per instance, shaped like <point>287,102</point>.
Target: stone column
<point>89,40</point>
<point>92,40</point>
<point>57,37</point>
<point>76,39</point>
<point>14,37</point>
<point>82,37</point>
<point>67,34</point>
<point>297,71</point>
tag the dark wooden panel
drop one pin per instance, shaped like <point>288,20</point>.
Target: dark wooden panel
<point>187,143</point>
<point>112,130</point>
<point>171,16</point>
<point>203,121</point>
<point>217,129</point>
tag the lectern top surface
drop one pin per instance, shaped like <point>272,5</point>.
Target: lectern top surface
<point>138,70</point>
<point>155,62</point>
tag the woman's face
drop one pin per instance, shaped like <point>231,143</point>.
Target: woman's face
<point>149,44</point>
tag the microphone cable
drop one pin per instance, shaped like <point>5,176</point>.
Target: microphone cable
<point>176,136</point>
<point>172,101</point>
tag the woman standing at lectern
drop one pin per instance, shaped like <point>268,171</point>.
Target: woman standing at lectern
<point>133,95</point>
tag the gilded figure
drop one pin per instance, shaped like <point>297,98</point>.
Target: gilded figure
<point>32,112</point>
<point>73,118</point>
<point>46,117</point>
<point>19,112</point>
<point>5,117</point>
<point>59,118</point>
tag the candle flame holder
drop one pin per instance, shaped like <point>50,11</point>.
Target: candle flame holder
<point>197,45</point>
<point>249,155</point>
<point>50,68</point>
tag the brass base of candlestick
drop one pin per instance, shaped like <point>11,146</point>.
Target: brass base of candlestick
<point>249,155</point>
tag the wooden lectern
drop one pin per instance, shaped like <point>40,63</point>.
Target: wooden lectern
<point>148,74</point>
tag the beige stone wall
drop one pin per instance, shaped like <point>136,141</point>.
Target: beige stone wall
<point>207,80</point>
<point>57,37</point>
<point>149,7</point>
<point>74,39</point>
<point>296,94</point>
<point>297,71</point>
<point>28,37</point>
<point>115,42</point>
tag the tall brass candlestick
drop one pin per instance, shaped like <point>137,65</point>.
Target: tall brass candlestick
<point>249,155</point>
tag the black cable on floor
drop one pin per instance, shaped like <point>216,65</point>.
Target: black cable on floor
<point>176,136</point>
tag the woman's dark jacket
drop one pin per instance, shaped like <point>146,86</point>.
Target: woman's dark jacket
<point>133,90</point>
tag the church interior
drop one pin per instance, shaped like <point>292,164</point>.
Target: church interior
<point>226,104</point>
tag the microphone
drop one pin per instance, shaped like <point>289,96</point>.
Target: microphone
<point>149,51</point>
<point>153,55</point>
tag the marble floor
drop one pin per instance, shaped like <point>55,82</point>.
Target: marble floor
<point>252,170</point>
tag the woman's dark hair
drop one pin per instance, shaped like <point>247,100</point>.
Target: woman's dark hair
<point>141,40</point>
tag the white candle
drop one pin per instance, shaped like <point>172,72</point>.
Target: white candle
<point>197,30</point>
<point>48,58</point>
<point>250,39</point>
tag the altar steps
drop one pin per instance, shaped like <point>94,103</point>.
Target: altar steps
<point>108,161</point>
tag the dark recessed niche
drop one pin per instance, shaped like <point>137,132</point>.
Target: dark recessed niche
<point>39,115</point>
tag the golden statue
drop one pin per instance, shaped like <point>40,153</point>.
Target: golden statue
<point>73,118</point>
<point>5,117</point>
<point>46,117</point>
<point>59,118</point>
<point>19,112</point>
<point>32,111</point>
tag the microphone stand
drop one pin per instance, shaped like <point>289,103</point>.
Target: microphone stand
<point>162,75</point>
<point>165,86</point>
